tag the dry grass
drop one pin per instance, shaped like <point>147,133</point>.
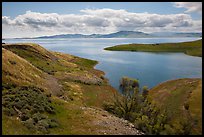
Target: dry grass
<point>19,71</point>
<point>172,95</point>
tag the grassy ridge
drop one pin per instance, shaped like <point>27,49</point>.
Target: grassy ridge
<point>69,81</point>
<point>193,48</point>
<point>24,72</point>
<point>183,101</point>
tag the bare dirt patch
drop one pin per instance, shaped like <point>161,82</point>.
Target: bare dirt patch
<point>106,123</point>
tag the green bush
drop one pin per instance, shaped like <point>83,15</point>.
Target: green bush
<point>29,123</point>
<point>43,123</point>
<point>38,116</point>
<point>31,105</point>
<point>135,107</point>
<point>9,111</point>
<point>25,116</point>
<point>52,123</point>
<point>128,84</point>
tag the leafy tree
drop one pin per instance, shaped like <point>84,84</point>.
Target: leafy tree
<point>135,107</point>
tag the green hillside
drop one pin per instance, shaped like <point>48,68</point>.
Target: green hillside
<point>193,48</point>
<point>43,92</point>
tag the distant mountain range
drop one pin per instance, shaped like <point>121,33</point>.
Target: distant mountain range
<point>120,34</point>
<point>176,34</point>
<point>125,34</point>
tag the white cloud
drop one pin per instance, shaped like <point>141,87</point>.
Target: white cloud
<point>95,21</point>
<point>190,6</point>
<point>6,20</point>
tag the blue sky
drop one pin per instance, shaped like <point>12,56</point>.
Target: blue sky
<point>13,9</point>
<point>16,13</point>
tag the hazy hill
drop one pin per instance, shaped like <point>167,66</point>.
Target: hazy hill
<point>126,34</point>
<point>120,34</point>
<point>176,34</point>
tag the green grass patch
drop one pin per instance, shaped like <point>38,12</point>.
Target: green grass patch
<point>84,62</point>
<point>13,126</point>
<point>72,119</point>
<point>94,95</point>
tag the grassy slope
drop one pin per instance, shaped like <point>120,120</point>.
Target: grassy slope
<point>174,94</point>
<point>193,48</point>
<point>10,124</point>
<point>48,69</point>
<point>75,94</point>
<point>24,72</point>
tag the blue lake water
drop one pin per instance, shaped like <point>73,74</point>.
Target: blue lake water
<point>150,68</point>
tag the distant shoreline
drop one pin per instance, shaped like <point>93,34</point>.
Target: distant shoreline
<point>123,34</point>
<point>193,48</point>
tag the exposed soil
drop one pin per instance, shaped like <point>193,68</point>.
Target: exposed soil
<point>54,87</point>
<point>108,124</point>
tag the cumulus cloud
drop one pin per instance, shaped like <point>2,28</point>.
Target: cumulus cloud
<point>97,21</point>
<point>6,20</point>
<point>190,6</point>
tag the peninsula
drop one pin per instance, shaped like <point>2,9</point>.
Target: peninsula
<point>193,48</point>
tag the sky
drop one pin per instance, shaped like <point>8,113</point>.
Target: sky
<point>32,19</point>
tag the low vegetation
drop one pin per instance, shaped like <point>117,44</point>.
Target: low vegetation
<point>163,116</point>
<point>193,48</point>
<point>29,104</point>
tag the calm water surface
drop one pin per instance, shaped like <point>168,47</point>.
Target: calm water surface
<point>150,68</point>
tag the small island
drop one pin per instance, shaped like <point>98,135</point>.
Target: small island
<point>193,48</point>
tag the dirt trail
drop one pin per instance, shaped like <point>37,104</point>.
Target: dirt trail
<point>53,85</point>
<point>108,124</point>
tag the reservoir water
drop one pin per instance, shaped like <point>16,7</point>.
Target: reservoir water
<point>150,68</point>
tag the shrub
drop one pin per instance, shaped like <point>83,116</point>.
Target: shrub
<point>29,123</point>
<point>186,105</point>
<point>52,123</point>
<point>135,107</point>
<point>43,123</point>
<point>128,82</point>
<point>9,111</point>
<point>37,117</point>
<point>145,91</point>
<point>135,83</point>
<point>29,103</point>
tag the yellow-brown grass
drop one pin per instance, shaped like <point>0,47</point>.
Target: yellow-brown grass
<point>174,94</point>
